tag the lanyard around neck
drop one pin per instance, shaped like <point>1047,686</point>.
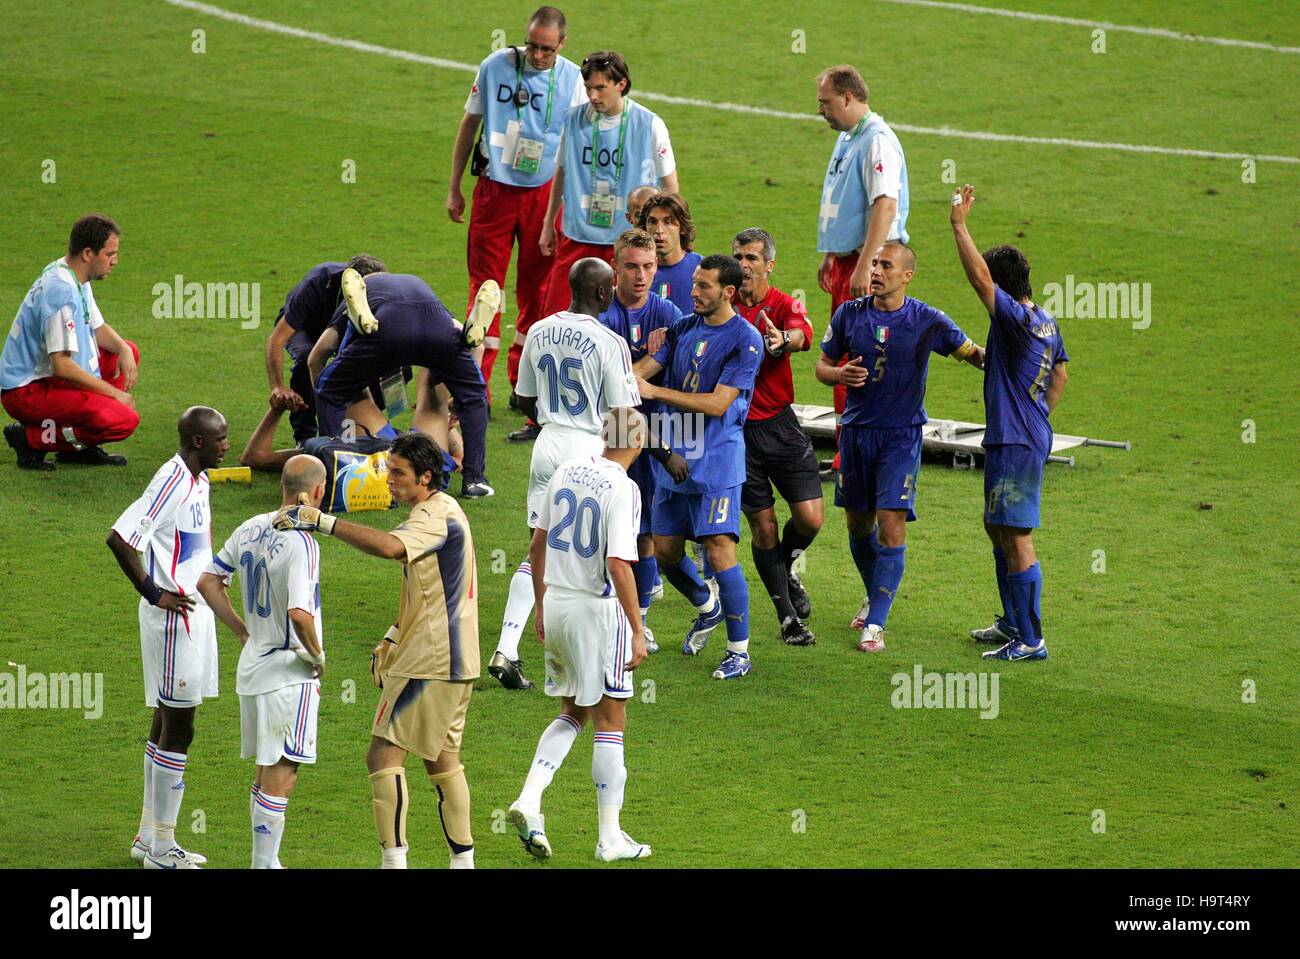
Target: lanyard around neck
<point>85,307</point>
<point>622,134</point>
<point>519,85</point>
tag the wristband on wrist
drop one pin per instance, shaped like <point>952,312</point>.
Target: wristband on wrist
<point>391,635</point>
<point>326,523</point>
<point>150,591</point>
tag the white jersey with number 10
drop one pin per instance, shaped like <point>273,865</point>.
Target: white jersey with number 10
<point>578,369</point>
<point>591,511</point>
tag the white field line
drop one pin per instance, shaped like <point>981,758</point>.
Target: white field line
<point>363,47</point>
<point>1095,24</point>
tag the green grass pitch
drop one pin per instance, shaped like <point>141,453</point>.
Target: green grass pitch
<point>226,166</point>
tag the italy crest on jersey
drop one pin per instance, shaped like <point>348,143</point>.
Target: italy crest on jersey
<point>700,347</point>
<point>636,332</point>
<point>882,334</point>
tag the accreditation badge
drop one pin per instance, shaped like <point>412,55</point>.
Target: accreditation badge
<point>603,204</point>
<point>528,155</point>
<point>394,390</point>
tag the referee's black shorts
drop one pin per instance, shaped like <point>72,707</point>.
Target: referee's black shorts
<point>778,451</point>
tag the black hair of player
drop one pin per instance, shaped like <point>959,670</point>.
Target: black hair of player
<point>611,64</point>
<point>424,455</point>
<point>365,264</point>
<point>1010,271</point>
<point>728,267</point>
<point>92,230</point>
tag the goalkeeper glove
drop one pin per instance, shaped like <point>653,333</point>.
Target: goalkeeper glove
<point>379,656</point>
<point>303,517</point>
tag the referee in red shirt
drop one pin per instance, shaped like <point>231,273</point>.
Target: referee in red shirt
<point>777,451</point>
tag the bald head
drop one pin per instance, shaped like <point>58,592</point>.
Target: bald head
<point>591,281</point>
<point>303,474</point>
<point>200,421</point>
<point>623,429</point>
<point>636,200</point>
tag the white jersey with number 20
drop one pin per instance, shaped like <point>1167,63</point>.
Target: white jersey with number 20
<point>592,511</point>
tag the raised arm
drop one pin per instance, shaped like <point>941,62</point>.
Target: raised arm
<point>710,404</point>
<point>977,271</point>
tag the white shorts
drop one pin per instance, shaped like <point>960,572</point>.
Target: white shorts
<point>588,642</point>
<point>179,654</point>
<point>552,447</point>
<point>280,724</point>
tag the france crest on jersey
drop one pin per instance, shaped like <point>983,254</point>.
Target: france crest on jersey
<point>696,357</point>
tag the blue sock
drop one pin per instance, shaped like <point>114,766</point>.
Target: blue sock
<point>734,593</point>
<point>646,571</point>
<point>1000,564</point>
<point>884,584</point>
<point>1026,590</point>
<point>686,580</point>
<point>863,550</point>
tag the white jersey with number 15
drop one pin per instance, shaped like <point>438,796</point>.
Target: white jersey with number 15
<point>578,369</point>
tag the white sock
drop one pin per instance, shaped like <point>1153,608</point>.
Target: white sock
<point>644,612</point>
<point>519,605</point>
<point>554,745</point>
<point>740,647</point>
<point>168,791</point>
<point>146,814</point>
<point>463,860</point>
<point>610,776</point>
<point>394,858</point>
<point>268,829</point>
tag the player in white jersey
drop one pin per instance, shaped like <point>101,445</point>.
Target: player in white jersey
<point>590,625</point>
<point>170,524</point>
<point>278,681</point>
<point>573,371</point>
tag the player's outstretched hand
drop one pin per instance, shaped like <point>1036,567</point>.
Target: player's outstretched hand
<point>677,467</point>
<point>638,649</point>
<point>962,201</point>
<point>175,602</point>
<point>645,389</point>
<point>303,517</point>
<point>853,373</point>
<point>655,341</point>
<point>286,401</point>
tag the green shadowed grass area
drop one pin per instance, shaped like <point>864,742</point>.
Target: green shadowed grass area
<point>227,166</point>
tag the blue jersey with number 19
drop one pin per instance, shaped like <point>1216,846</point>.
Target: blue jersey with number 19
<point>895,348</point>
<point>578,369</point>
<point>1024,344</point>
<point>696,357</point>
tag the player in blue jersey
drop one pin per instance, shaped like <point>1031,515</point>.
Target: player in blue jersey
<point>410,326</point>
<point>306,314</point>
<point>888,337</point>
<point>1024,374</point>
<point>635,313</point>
<point>667,218</point>
<point>709,360</point>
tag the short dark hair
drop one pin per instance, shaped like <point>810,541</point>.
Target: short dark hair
<point>549,17</point>
<point>610,63</point>
<point>424,455</point>
<point>1010,271</point>
<point>845,78</point>
<point>728,267</point>
<point>676,205</point>
<point>92,230</point>
<point>754,235</point>
<point>365,264</point>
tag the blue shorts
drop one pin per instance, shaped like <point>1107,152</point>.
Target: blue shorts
<point>643,474</point>
<point>878,469</point>
<point>1013,485</point>
<point>696,515</point>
